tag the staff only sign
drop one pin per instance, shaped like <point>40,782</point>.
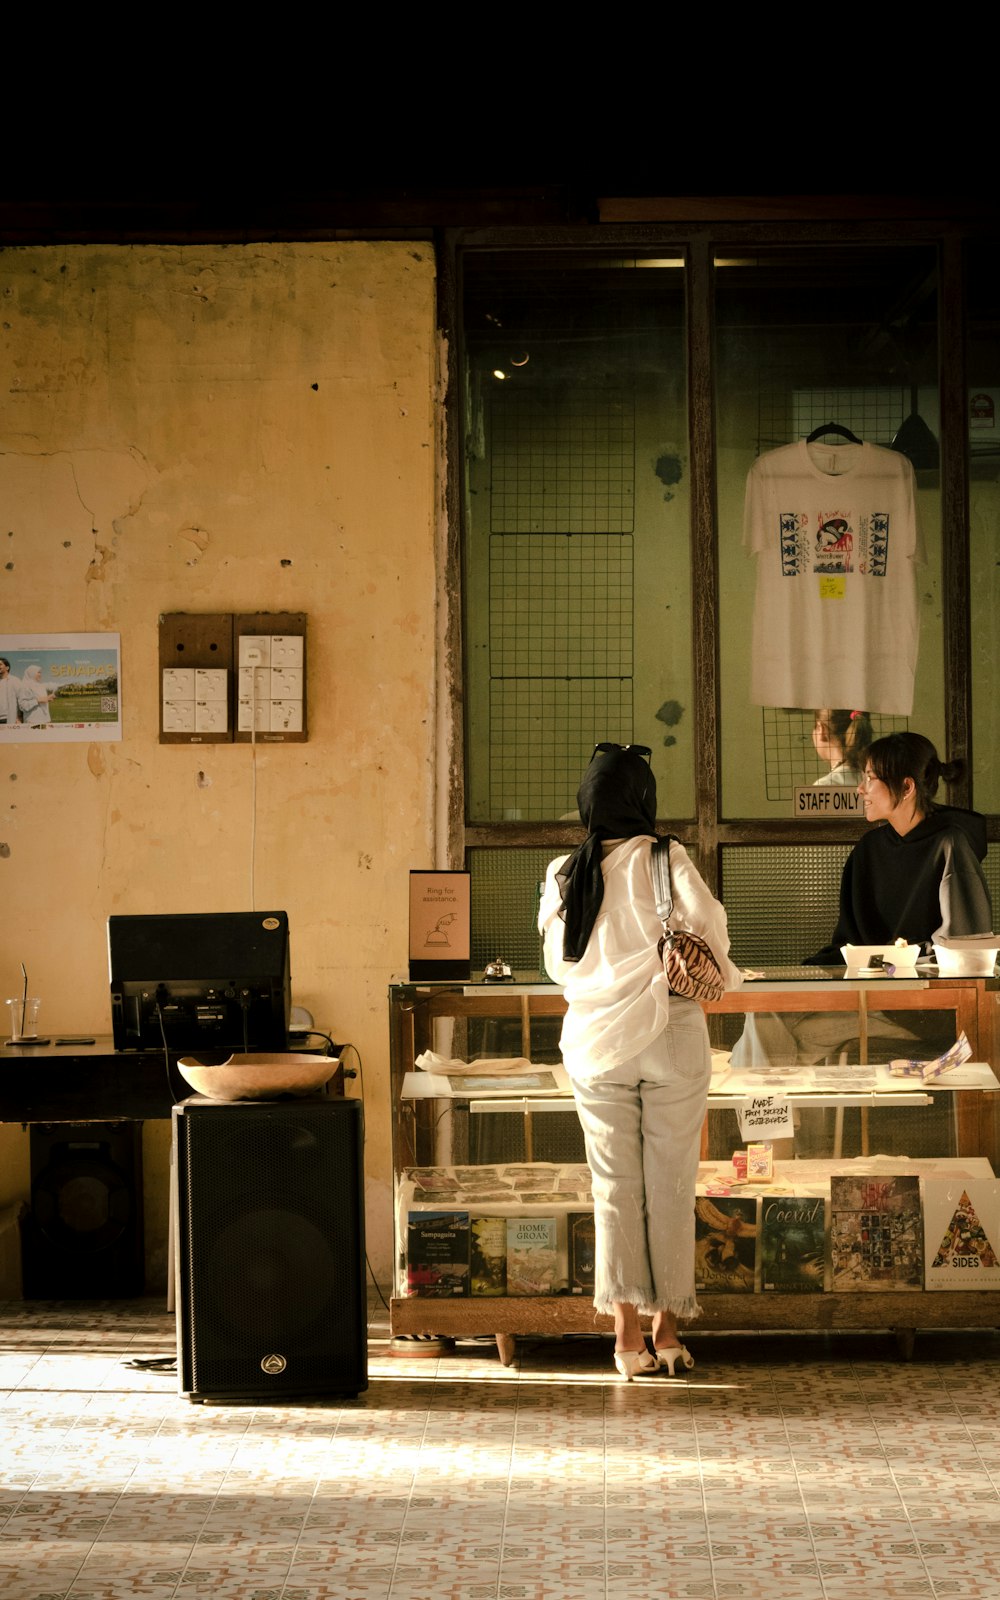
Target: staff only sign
<point>826,802</point>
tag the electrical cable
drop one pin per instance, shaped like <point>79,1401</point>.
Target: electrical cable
<point>171,1087</point>
<point>317,1033</point>
<point>253,781</point>
<point>165,1364</point>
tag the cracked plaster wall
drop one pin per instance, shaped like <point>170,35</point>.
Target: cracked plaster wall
<point>223,429</point>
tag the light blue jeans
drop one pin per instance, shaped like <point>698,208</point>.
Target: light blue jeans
<point>642,1125</point>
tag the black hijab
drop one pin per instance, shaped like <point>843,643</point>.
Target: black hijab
<point>617,800</point>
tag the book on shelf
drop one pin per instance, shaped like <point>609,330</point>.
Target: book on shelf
<point>793,1243</point>
<point>488,1255</point>
<point>725,1243</point>
<point>437,1254</point>
<point>532,1255</point>
<point>580,1239</point>
<point>876,1233</point>
<point>961,1234</point>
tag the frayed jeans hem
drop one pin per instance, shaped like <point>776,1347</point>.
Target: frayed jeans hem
<point>686,1307</point>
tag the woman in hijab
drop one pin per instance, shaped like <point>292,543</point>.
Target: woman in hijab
<point>637,1056</point>
<point>33,697</point>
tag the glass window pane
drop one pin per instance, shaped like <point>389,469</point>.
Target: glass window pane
<point>827,605</point>
<point>577,576</point>
<point>983,372</point>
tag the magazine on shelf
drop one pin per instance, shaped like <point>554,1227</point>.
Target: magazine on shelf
<point>793,1244</point>
<point>876,1233</point>
<point>582,1247</point>
<point>725,1243</point>
<point>544,1183</point>
<point>488,1255</point>
<point>961,1234</point>
<point>532,1255</point>
<point>437,1254</point>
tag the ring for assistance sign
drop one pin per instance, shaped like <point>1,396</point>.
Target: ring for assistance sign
<point>765,1116</point>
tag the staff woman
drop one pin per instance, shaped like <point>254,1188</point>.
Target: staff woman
<point>637,1056</point>
<point>918,876</point>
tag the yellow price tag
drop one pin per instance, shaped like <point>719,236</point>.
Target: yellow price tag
<point>832,586</point>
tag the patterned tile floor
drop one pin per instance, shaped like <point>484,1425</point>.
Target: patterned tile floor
<point>780,1468</point>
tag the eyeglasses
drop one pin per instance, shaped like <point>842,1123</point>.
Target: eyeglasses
<point>867,779</point>
<point>609,749</point>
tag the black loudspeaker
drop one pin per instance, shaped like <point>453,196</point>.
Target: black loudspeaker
<point>270,1248</point>
<point>83,1237</point>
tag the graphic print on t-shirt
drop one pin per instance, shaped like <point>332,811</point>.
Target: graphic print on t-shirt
<point>832,550</point>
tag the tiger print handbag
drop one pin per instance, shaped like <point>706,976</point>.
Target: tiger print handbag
<point>691,969</point>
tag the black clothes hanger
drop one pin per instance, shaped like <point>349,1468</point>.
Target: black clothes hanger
<point>833,427</point>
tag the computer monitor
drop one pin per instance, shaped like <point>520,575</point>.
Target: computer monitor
<point>200,982</point>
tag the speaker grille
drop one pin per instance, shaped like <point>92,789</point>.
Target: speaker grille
<point>83,1238</point>
<point>272,1239</point>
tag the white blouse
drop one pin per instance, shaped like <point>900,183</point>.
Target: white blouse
<point>617,996</point>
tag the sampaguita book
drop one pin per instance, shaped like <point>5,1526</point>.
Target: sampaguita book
<point>437,1253</point>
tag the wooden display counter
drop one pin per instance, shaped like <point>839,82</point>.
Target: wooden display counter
<point>438,1016</point>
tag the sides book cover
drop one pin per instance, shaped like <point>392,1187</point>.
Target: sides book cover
<point>488,1255</point>
<point>437,1253</point>
<point>532,1255</point>
<point>725,1243</point>
<point>961,1233</point>
<point>793,1243</point>
<point>876,1233</point>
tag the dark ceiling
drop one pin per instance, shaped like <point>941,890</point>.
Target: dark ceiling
<point>176,213</point>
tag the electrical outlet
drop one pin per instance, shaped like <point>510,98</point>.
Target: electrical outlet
<point>178,683</point>
<point>211,683</point>
<point>286,683</point>
<point>287,650</point>
<point>210,716</point>
<point>255,681</point>
<point>246,719</point>
<point>255,650</point>
<point>286,716</point>
<point>178,716</point>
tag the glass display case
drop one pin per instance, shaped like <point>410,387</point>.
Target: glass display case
<point>485,1137</point>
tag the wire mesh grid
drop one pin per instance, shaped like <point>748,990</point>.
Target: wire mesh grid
<point>561,607</point>
<point>562,460</point>
<point>786,412</point>
<point>781,900</point>
<point>991,871</point>
<point>542,734</point>
<point>506,888</point>
<point>790,759</point>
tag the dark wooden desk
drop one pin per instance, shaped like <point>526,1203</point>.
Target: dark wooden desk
<point>86,1083</point>
<point>94,1083</point>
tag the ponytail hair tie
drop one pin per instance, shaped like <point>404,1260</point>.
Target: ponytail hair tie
<point>856,714</point>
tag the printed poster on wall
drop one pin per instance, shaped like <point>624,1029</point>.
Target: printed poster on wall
<point>60,687</point>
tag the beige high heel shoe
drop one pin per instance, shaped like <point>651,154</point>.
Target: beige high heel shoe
<point>671,1355</point>
<point>630,1362</point>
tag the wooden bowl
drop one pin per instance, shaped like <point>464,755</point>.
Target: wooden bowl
<point>258,1077</point>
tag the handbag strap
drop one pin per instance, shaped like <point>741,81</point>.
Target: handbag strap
<point>660,859</point>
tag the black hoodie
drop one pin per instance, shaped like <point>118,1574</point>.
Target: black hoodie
<point>914,885</point>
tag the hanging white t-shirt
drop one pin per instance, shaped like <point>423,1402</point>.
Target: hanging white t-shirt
<point>836,619</point>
